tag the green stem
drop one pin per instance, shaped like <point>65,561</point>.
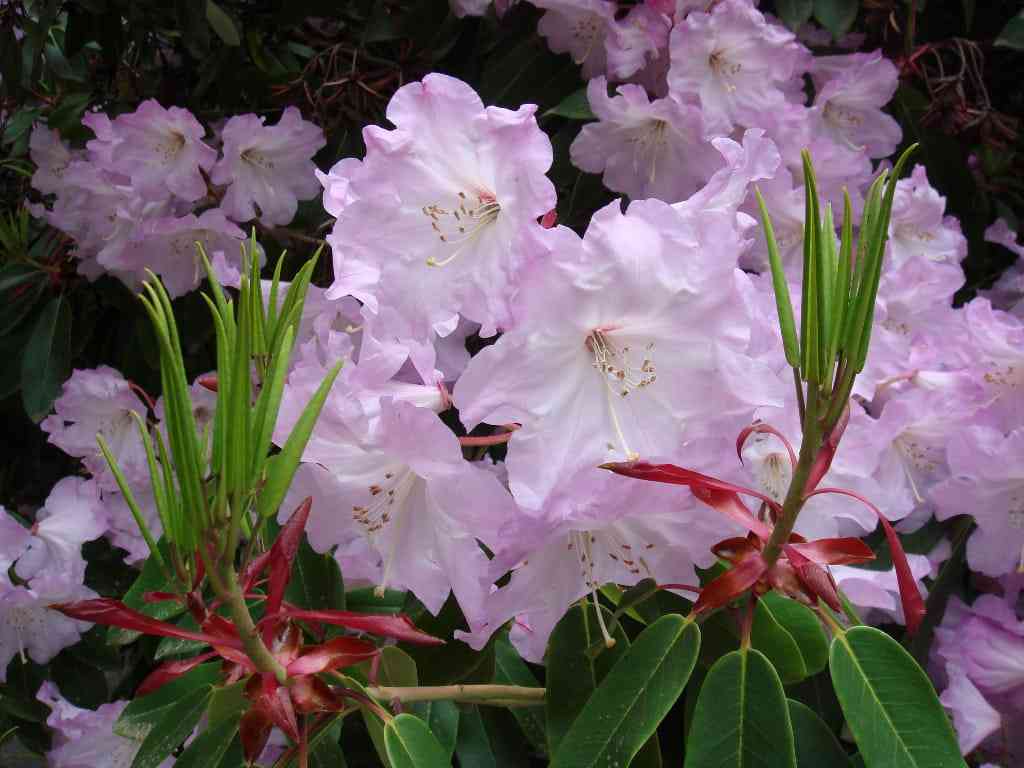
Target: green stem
<point>500,695</point>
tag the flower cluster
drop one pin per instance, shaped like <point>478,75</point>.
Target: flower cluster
<point>149,186</point>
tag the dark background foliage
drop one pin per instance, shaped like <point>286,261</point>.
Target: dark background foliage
<point>961,96</point>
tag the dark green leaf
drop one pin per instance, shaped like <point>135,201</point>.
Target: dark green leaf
<point>210,746</point>
<point>889,703</point>
<point>1012,35</point>
<point>13,275</point>
<point>222,24</point>
<point>397,669</point>
<point>68,113</point>
<point>572,674</point>
<point>442,718</point>
<point>633,698</point>
<point>176,725</point>
<point>801,623</point>
<point>152,579</point>
<point>574,106</point>
<point>794,13</point>
<point>474,745</point>
<point>47,359</point>
<point>316,581</point>
<point>741,719</point>
<point>453,662</point>
<point>837,16</point>
<point>816,745</point>
<point>509,669</point>
<point>778,645</point>
<point>143,714</point>
<point>327,752</point>
<point>411,745</point>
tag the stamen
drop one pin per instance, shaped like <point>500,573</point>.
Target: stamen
<point>460,225</point>
<point>621,376</point>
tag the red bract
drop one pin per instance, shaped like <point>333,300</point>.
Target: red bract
<point>800,571</point>
<point>169,671</point>
<point>396,627</point>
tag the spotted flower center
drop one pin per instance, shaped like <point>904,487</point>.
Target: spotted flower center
<point>586,31</point>
<point>623,369</point>
<point>648,144</point>
<point>385,499</point>
<point>171,145</point>
<point>461,223</point>
<point>724,68</point>
<point>258,159</point>
<point>918,458</point>
<point>842,120</point>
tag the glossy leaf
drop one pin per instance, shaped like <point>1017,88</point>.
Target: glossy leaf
<point>816,745</point>
<point>176,725</point>
<point>46,361</point>
<point>411,745</point>
<point>794,13</point>
<point>837,16</point>
<point>890,704</point>
<point>442,718</point>
<point>1012,35</point>
<point>144,713</point>
<point>804,627</point>
<point>741,719</point>
<point>222,24</point>
<point>633,698</point>
<point>152,579</point>
<point>510,669</point>
<point>778,645</point>
<point>574,106</point>
<point>208,749</point>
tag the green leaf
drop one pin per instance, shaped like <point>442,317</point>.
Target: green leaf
<point>282,468</point>
<point>890,704</point>
<point>396,669</point>
<point>783,303</point>
<point>145,713</point>
<point>152,579</point>
<point>572,674</point>
<point>1012,35</point>
<point>176,725</point>
<point>411,745</point>
<point>633,698</point>
<point>453,662</point>
<point>741,719</point>
<point>574,106</point>
<point>222,24</point>
<point>794,13</point>
<point>210,746</point>
<point>13,275</point>
<point>442,718</point>
<point>47,359</point>
<point>778,645</point>
<point>816,745</point>
<point>509,669</point>
<point>316,581</point>
<point>837,16</point>
<point>326,753</point>
<point>803,626</point>
<point>473,745</point>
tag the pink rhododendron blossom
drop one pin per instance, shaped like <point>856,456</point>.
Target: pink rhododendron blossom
<point>996,343</point>
<point>628,340</point>
<point>579,28</point>
<point>167,246</point>
<point>52,158</point>
<point>734,62</point>
<point>850,98</point>
<point>590,531</point>
<point>29,627</point>
<point>162,150</point>
<point>14,540</point>
<point>877,591</point>
<point>644,148</point>
<point>71,516</point>
<point>635,39</point>
<point>122,529</point>
<point>987,482</point>
<point>404,512</point>
<point>442,213</point>
<point>99,401</point>
<point>268,168</point>
<point>999,232</point>
<point>919,226</point>
<point>85,738</point>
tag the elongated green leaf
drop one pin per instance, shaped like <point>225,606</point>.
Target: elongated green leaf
<point>395,668</point>
<point>801,623</point>
<point>783,303</point>
<point>574,106</point>
<point>509,669</point>
<point>794,13</point>
<point>1012,35</point>
<point>837,16</point>
<point>634,697</point>
<point>316,581</point>
<point>222,24</point>
<point>741,719</point>
<point>152,579</point>
<point>442,718</point>
<point>572,674</point>
<point>890,704</point>
<point>778,645</point>
<point>282,469</point>
<point>174,727</point>
<point>46,361</point>
<point>411,745</point>
<point>816,745</point>
<point>210,746</point>
<point>144,714</point>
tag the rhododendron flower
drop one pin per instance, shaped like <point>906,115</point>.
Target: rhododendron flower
<point>71,516</point>
<point>919,227</point>
<point>405,511</point>
<point>167,246</point>
<point>85,738</point>
<point>268,167</point>
<point>635,39</point>
<point>628,340</point>
<point>122,529</point>
<point>996,344</point>
<point>99,401</point>
<point>579,28</point>
<point>590,531</point>
<point>734,62</point>
<point>52,158</point>
<point>162,150</point>
<point>848,104</point>
<point>987,482</point>
<point>442,213</point>
<point>644,148</point>
<point>874,590</point>
<point>29,627</point>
